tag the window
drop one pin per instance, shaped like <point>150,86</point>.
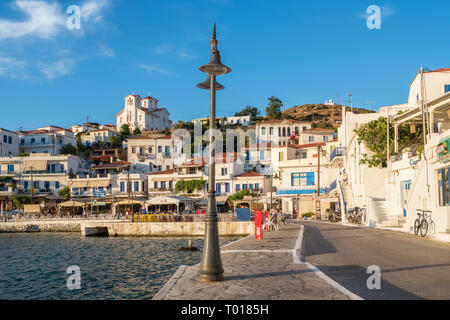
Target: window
<point>238,187</point>
<point>141,150</point>
<point>263,131</point>
<point>155,184</point>
<point>271,131</point>
<point>136,186</point>
<point>43,140</point>
<point>10,168</point>
<point>122,186</point>
<point>32,140</point>
<point>22,141</point>
<point>284,132</point>
<point>218,188</point>
<point>250,186</point>
<point>10,140</point>
<point>304,155</point>
<point>167,150</point>
<point>224,171</point>
<point>256,186</point>
<point>261,155</point>
<point>447,88</point>
<point>159,149</point>
<point>163,185</point>
<point>302,179</point>
<point>143,186</point>
<point>443,181</point>
<point>150,149</point>
<point>5,139</point>
<point>227,187</point>
<point>311,138</point>
<point>244,187</point>
<point>133,150</point>
<point>25,185</point>
<point>325,138</point>
<point>170,185</point>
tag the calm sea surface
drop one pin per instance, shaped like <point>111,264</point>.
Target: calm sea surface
<point>33,266</point>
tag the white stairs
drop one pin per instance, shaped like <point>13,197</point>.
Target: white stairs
<point>348,196</point>
<point>382,215</point>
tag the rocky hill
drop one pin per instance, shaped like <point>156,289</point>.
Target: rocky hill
<point>320,114</point>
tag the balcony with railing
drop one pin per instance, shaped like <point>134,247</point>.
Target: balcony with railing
<point>337,152</point>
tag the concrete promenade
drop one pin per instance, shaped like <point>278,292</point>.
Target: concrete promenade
<point>271,269</point>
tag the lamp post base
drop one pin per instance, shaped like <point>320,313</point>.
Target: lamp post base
<point>211,268</point>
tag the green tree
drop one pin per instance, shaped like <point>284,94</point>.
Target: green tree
<point>273,111</point>
<point>125,130</point>
<point>116,141</point>
<point>21,199</point>
<point>64,193</point>
<point>68,149</point>
<point>374,135</point>
<point>137,131</point>
<point>248,111</point>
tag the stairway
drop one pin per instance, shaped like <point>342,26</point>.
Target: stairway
<point>382,215</point>
<point>348,196</point>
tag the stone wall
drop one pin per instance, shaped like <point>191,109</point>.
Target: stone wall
<point>40,226</point>
<point>169,229</point>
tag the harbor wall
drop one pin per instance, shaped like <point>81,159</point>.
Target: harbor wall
<point>166,229</point>
<point>128,229</point>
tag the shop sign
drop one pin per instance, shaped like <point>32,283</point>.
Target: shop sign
<point>442,150</point>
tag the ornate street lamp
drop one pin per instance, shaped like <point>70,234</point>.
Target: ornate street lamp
<point>211,268</point>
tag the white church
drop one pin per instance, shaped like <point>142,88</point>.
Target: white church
<point>143,114</point>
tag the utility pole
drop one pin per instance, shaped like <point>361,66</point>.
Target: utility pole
<point>351,101</point>
<point>388,149</point>
<point>319,148</point>
<point>31,185</point>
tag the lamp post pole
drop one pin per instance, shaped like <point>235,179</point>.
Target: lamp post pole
<point>211,268</point>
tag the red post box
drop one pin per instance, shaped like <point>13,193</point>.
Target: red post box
<point>258,225</point>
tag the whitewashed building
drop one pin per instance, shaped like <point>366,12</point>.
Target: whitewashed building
<point>280,132</point>
<point>45,140</point>
<point>97,136</point>
<point>143,113</point>
<point>9,143</point>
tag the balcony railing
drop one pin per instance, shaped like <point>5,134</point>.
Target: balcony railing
<point>333,186</point>
<point>337,152</point>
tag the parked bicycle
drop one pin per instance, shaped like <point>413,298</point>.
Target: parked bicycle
<point>356,215</point>
<point>424,223</point>
<point>334,216</point>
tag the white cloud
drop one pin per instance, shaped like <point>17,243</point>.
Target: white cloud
<point>171,49</point>
<point>106,51</point>
<point>12,68</point>
<point>92,10</point>
<point>154,68</point>
<point>43,20</point>
<point>56,69</point>
<point>46,19</point>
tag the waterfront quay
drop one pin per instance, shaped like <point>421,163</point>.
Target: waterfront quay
<point>268,269</point>
<point>312,260</point>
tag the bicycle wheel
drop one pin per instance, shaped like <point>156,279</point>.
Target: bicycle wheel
<point>416,226</point>
<point>432,228</point>
<point>423,228</point>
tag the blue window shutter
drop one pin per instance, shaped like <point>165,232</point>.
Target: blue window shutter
<point>310,179</point>
<point>122,186</point>
<point>136,186</point>
<point>447,88</point>
<point>227,187</point>
<point>257,184</point>
<point>238,187</point>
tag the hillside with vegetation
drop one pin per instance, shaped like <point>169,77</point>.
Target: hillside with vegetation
<point>319,114</point>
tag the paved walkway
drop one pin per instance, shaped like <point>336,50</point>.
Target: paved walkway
<point>270,269</point>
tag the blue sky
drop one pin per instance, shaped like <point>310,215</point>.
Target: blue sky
<point>299,51</point>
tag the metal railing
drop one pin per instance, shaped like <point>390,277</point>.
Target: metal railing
<point>337,152</point>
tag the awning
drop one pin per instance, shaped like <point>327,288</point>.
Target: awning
<point>31,208</point>
<point>89,183</point>
<point>72,204</point>
<point>168,200</point>
<point>127,202</point>
<point>34,165</point>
